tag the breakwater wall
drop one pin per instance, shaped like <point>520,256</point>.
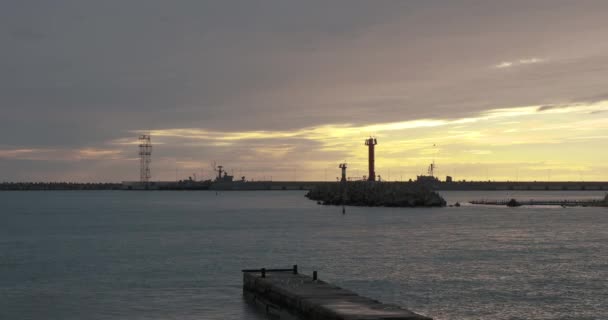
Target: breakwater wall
<point>286,294</point>
<point>303,185</point>
<point>266,185</point>
<point>44,186</point>
<point>441,186</point>
<point>563,203</point>
<point>522,186</point>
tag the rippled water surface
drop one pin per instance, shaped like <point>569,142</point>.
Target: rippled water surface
<point>178,255</point>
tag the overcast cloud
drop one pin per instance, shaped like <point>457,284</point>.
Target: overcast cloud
<point>77,76</point>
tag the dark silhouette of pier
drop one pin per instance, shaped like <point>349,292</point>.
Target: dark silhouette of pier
<point>287,294</point>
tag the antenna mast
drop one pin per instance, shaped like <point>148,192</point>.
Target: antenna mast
<point>145,157</point>
<point>433,166</point>
<point>431,170</point>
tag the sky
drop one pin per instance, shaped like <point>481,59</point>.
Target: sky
<point>287,90</point>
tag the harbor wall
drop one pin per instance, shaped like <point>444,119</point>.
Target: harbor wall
<point>440,186</point>
<point>304,185</point>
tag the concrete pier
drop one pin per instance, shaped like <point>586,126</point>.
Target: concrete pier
<point>286,294</point>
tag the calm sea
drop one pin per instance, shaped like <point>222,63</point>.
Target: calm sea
<point>178,255</point>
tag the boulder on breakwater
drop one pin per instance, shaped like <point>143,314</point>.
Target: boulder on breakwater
<point>376,194</point>
<point>513,203</point>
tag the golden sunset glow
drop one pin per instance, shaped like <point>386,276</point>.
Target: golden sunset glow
<point>536,142</point>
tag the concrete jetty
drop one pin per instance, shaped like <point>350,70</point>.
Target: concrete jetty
<point>286,294</point>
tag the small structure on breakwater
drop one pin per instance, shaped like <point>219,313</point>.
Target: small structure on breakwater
<point>513,203</point>
<point>286,294</point>
<point>374,194</point>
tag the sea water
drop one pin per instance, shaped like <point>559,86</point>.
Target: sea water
<point>178,255</point>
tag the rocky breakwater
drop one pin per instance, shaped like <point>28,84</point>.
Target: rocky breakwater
<point>376,194</point>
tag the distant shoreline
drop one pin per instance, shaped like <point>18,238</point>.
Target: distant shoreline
<point>307,185</point>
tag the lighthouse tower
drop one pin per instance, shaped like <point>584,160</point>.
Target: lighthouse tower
<point>371,143</point>
<point>343,167</point>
